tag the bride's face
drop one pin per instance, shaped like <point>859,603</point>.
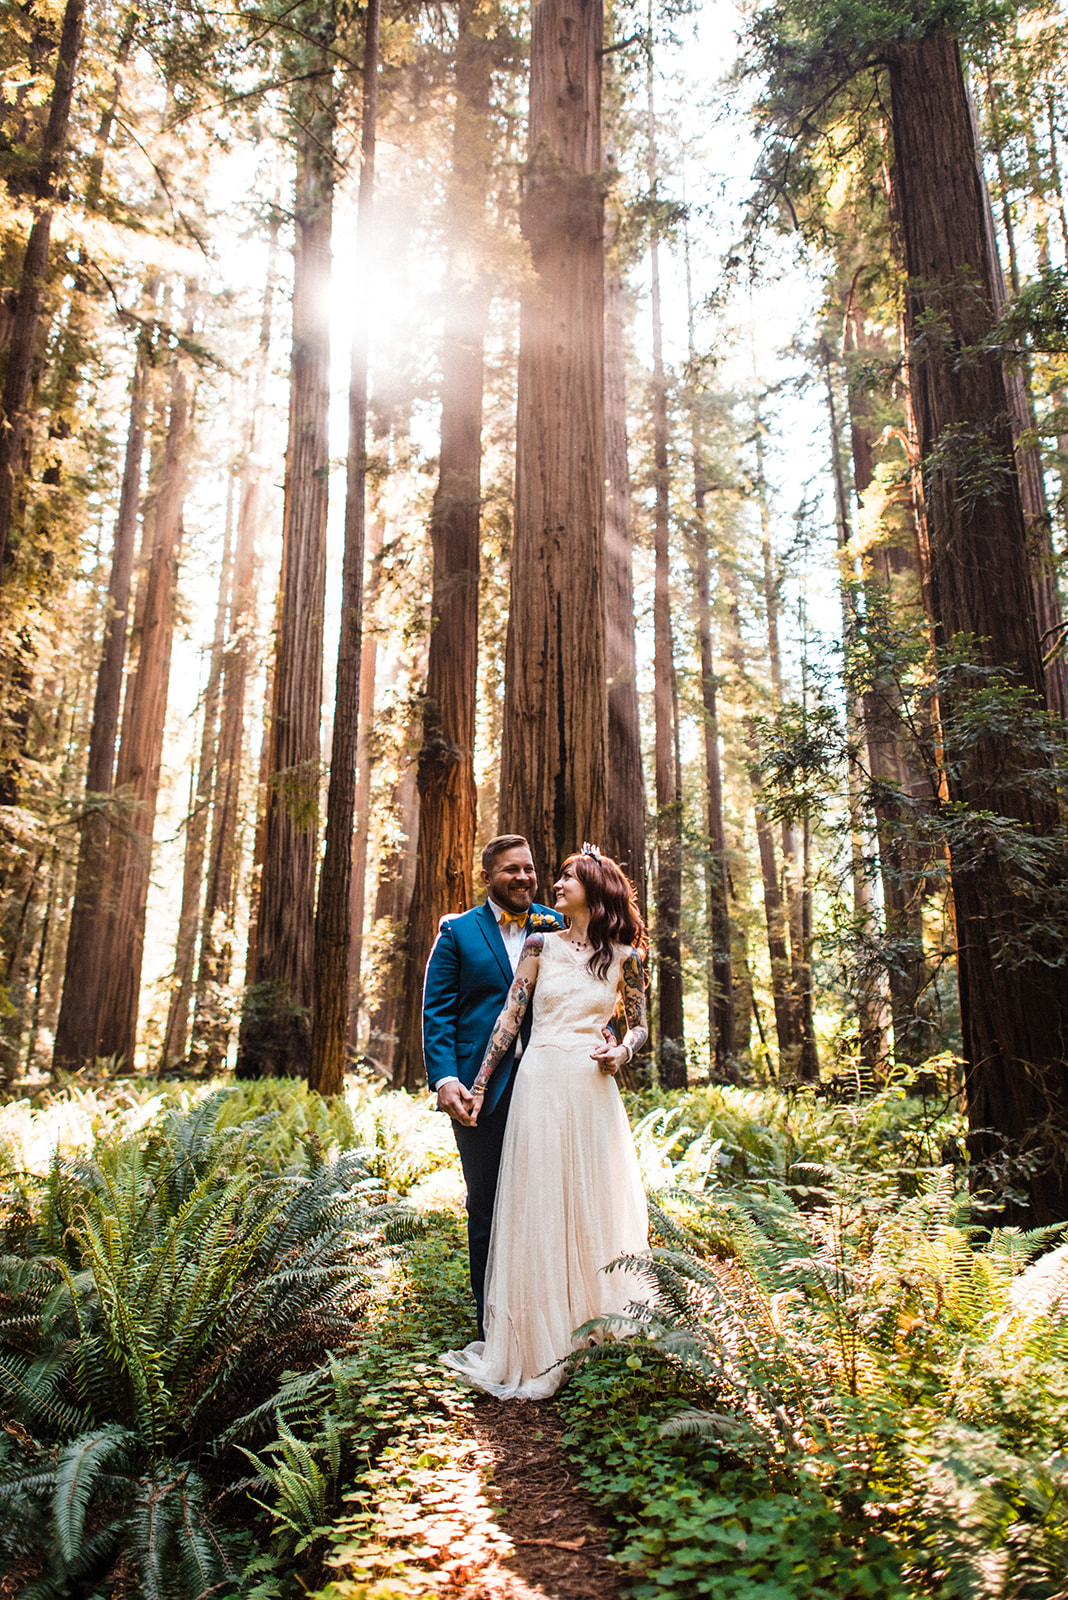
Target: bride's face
<point>570,892</point>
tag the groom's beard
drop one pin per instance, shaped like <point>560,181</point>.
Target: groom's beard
<point>516,900</point>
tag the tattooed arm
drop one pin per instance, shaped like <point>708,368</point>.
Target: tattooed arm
<point>612,1057</point>
<point>507,1025</point>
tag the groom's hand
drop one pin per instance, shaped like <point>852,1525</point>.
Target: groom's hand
<point>459,1102</point>
<point>610,1058</point>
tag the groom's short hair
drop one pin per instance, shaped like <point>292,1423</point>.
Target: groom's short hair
<point>497,847</point>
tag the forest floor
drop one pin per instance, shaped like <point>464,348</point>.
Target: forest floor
<point>505,1519</point>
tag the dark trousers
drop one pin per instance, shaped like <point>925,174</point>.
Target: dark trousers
<point>480,1156</point>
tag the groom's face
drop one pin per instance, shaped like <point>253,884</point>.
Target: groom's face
<point>511,879</point>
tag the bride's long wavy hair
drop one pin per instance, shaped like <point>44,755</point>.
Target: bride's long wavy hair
<point>614,914</point>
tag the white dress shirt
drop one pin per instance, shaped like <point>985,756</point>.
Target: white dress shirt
<point>514,935</point>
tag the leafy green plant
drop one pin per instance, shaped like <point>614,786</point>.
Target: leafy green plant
<point>303,1490</point>
<point>878,1360</point>
<point>182,1300</point>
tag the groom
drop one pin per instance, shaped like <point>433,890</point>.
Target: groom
<point>467,980</point>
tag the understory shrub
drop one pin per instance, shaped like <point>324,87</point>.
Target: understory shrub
<point>877,1362</point>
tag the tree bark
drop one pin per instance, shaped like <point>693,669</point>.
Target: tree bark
<point>75,1042</point>
<point>276,1025</point>
<point>176,1032</point>
<point>446,775</point>
<point>333,918</point>
<point>553,782</point>
<point>672,1042</point>
<point>1037,520</point>
<point>897,779</point>
<point>138,767</point>
<point>722,1034</point>
<point>1014,1015</point>
<point>871,1005</point>
<point>625,830</point>
<point>396,881</point>
<point>364,773</point>
<point>26,326</point>
<point>721,1023</point>
<point>211,1028</point>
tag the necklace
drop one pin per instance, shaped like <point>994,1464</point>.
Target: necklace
<point>579,944</point>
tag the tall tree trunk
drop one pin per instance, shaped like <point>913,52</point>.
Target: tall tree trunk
<point>141,748</point>
<point>625,831</point>
<point>792,899</point>
<point>333,918</point>
<point>70,360</point>
<point>75,1041</point>
<point>553,782</point>
<point>871,1005</point>
<point>446,774</point>
<point>789,1027</point>
<point>211,1030</point>
<point>364,773</point>
<point>1037,520</point>
<point>26,326</point>
<point>176,1032</point>
<point>723,1044</point>
<point>1014,1016</point>
<point>721,1020</point>
<point>396,881</point>
<point>897,779</point>
<point>276,1025</point>
<point>672,1043</point>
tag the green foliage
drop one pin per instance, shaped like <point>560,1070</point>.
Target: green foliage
<point>691,1519</point>
<point>713,1136</point>
<point>174,1299</point>
<point>1038,316</point>
<point>871,1360</point>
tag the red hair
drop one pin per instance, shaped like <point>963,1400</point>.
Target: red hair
<point>614,914</point>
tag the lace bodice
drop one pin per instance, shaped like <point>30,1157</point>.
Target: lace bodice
<point>571,1004</point>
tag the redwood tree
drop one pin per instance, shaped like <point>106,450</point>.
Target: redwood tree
<point>27,320</point>
<point>276,1026</point>
<point>671,1043</point>
<point>333,918</point>
<point>1014,1001</point>
<point>625,832</point>
<point>75,1042</point>
<point>140,751</point>
<point>446,775</point>
<point>554,746</point>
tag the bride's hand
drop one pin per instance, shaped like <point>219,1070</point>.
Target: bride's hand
<point>610,1058</point>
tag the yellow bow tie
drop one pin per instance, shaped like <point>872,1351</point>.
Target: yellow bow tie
<point>518,917</point>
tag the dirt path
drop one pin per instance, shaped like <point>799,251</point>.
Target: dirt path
<point>496,1516</point>
<point>559,1546</point>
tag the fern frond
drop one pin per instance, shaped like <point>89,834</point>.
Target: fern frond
<point>77,1471</point>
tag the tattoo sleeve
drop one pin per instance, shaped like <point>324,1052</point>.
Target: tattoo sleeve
<point>632,984</point>
<point>507,1025</point>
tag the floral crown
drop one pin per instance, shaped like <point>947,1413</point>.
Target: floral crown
<point>589,849</point>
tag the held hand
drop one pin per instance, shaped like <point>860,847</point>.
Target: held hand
<point>611,1058</point>
<point>460,1103</point>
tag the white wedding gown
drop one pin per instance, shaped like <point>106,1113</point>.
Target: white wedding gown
<point>570,1196</point>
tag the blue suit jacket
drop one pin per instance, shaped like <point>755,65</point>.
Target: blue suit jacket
<point>467,981</point>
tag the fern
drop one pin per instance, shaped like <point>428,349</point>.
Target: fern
<point>193,1301</point>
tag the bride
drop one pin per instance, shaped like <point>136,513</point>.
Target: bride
<point>570,1197</point>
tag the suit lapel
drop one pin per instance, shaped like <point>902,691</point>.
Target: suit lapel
<point>492,934</point>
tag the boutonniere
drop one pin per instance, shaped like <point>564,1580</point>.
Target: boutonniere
<point>538,919</point>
